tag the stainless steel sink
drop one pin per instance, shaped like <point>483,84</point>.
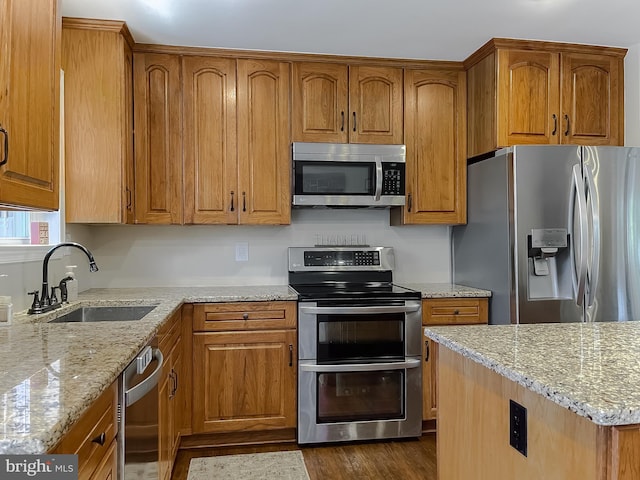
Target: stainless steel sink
<point>105,314</point>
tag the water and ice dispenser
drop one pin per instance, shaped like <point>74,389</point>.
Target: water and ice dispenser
<point>549,264</point>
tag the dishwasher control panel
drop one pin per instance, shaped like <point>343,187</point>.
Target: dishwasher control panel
<point>144,359</point>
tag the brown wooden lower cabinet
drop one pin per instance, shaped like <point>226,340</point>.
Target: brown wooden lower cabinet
<point>244,377</point>
<point>169,395</point>
<point>93,438</point>
<point>473,432</point>
<point>444,311</point>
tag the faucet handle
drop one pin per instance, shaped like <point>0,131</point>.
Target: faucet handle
<point>36,301</point>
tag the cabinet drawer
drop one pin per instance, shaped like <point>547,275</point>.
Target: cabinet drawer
<point>92,434</point>
<point>454,311</point>
<point>244,316</point>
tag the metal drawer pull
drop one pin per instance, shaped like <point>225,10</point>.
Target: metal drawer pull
<point>342,123</point>
<point>426,345</point>
<point>555,124</point>
<point>100,439</point>
<point>456,312</point>
<point>245,316</point>
<point>232,209</point>
<point>290,355</point>
<point>360,367</point>
<point>566,132</point>
<point>356,310</point>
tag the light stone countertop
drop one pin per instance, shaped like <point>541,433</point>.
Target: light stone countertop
<point>446,290</point>
<point>592,369</point>
<point>51,372</point>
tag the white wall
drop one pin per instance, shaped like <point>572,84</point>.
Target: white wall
<point>150,255</point>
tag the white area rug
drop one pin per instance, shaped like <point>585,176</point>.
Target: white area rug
<point>252,466</point>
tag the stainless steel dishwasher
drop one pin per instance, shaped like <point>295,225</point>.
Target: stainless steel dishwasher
<point>138,453</point>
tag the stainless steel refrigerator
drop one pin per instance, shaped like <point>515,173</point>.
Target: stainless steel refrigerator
<point>554,233</point>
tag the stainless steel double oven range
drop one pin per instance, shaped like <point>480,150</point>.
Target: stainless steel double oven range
<point>359,346</point>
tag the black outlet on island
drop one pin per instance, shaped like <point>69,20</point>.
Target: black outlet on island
<point>518,427</point>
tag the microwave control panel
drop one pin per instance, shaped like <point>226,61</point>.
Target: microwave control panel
<point>393,179</point>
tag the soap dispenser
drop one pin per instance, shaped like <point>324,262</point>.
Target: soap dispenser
<point>72,284</point>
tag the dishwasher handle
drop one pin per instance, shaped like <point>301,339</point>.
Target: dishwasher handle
<point>133,394</point>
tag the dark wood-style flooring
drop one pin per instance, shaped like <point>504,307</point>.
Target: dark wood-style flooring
<point>405,459</point>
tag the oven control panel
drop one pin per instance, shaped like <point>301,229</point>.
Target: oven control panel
<point>326,258</point>
<point>347,258</point>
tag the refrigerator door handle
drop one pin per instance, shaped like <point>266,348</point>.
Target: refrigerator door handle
<point>577,195</point>
<point>593,268</point>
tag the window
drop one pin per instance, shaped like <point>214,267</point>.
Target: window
<point>29,228</point>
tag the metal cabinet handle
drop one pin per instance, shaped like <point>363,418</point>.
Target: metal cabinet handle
<point>354,121</point>
<point>456,312</point>
<point>129,197</point>
<point>290,355</point>
<point>244,201</point>
<point>232,208</point>
<point>100,439</point>
<point>566,132</point>
<point>409,203</point>
<point>426,348</point>
<point>245,316</point>
<point>342,122</point>
<point>5,159</point>
<point>555,124</point>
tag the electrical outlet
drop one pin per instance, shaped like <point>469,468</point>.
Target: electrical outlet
<point>518,427</point>
<point>242,252</point>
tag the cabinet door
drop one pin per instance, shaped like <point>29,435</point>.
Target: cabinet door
<point>429,379</point>
<point>244,381</point>
<point>210,161</point>
<point>264,142</point>
<point>320,102</point>
<point>108,468</point>
<point>375,105</point>
<point>98,123</point>
<point>165,421</point>
<point>435,135</point>
<point>528,98</point>
<point>30,103</point>
<point>158,138</point>
<point>592,99</point>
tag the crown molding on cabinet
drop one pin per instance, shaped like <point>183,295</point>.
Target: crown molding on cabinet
<point>117,26</point>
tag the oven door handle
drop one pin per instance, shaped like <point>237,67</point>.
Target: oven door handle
<point>360,367</point>
<point>356,310</point>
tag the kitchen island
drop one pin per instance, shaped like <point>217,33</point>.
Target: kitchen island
<point>577,383</point>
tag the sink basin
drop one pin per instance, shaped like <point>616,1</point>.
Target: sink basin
<point>105,314</point>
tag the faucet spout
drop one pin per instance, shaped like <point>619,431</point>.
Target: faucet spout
<point>45,300</point>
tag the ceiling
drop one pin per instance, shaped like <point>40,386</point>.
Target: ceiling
<point>422,29</point>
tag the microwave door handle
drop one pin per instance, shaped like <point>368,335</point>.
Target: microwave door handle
<point>378,179</point>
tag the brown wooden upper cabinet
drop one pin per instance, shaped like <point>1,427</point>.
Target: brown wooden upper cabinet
<point>30,103</point>
<point>236,140</point>
<point>526,92</point>
<point>435,133</point>
<point>341,103</point>
<point>98,121</point>
<point>158,138</point>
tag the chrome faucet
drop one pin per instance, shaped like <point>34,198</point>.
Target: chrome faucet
<point>46,302</point>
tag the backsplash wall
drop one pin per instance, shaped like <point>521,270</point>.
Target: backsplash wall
<point>135,255</point>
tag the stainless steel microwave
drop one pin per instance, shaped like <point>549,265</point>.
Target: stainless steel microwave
<point>348,175</point>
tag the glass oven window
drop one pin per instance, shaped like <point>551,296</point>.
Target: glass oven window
<point>360,338</point>
<point>360,396</point>
<point>335,178</point>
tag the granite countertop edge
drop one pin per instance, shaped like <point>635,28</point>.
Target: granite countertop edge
<point>447,290</point>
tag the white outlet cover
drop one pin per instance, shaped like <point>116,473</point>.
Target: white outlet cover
<point>242,252</point>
